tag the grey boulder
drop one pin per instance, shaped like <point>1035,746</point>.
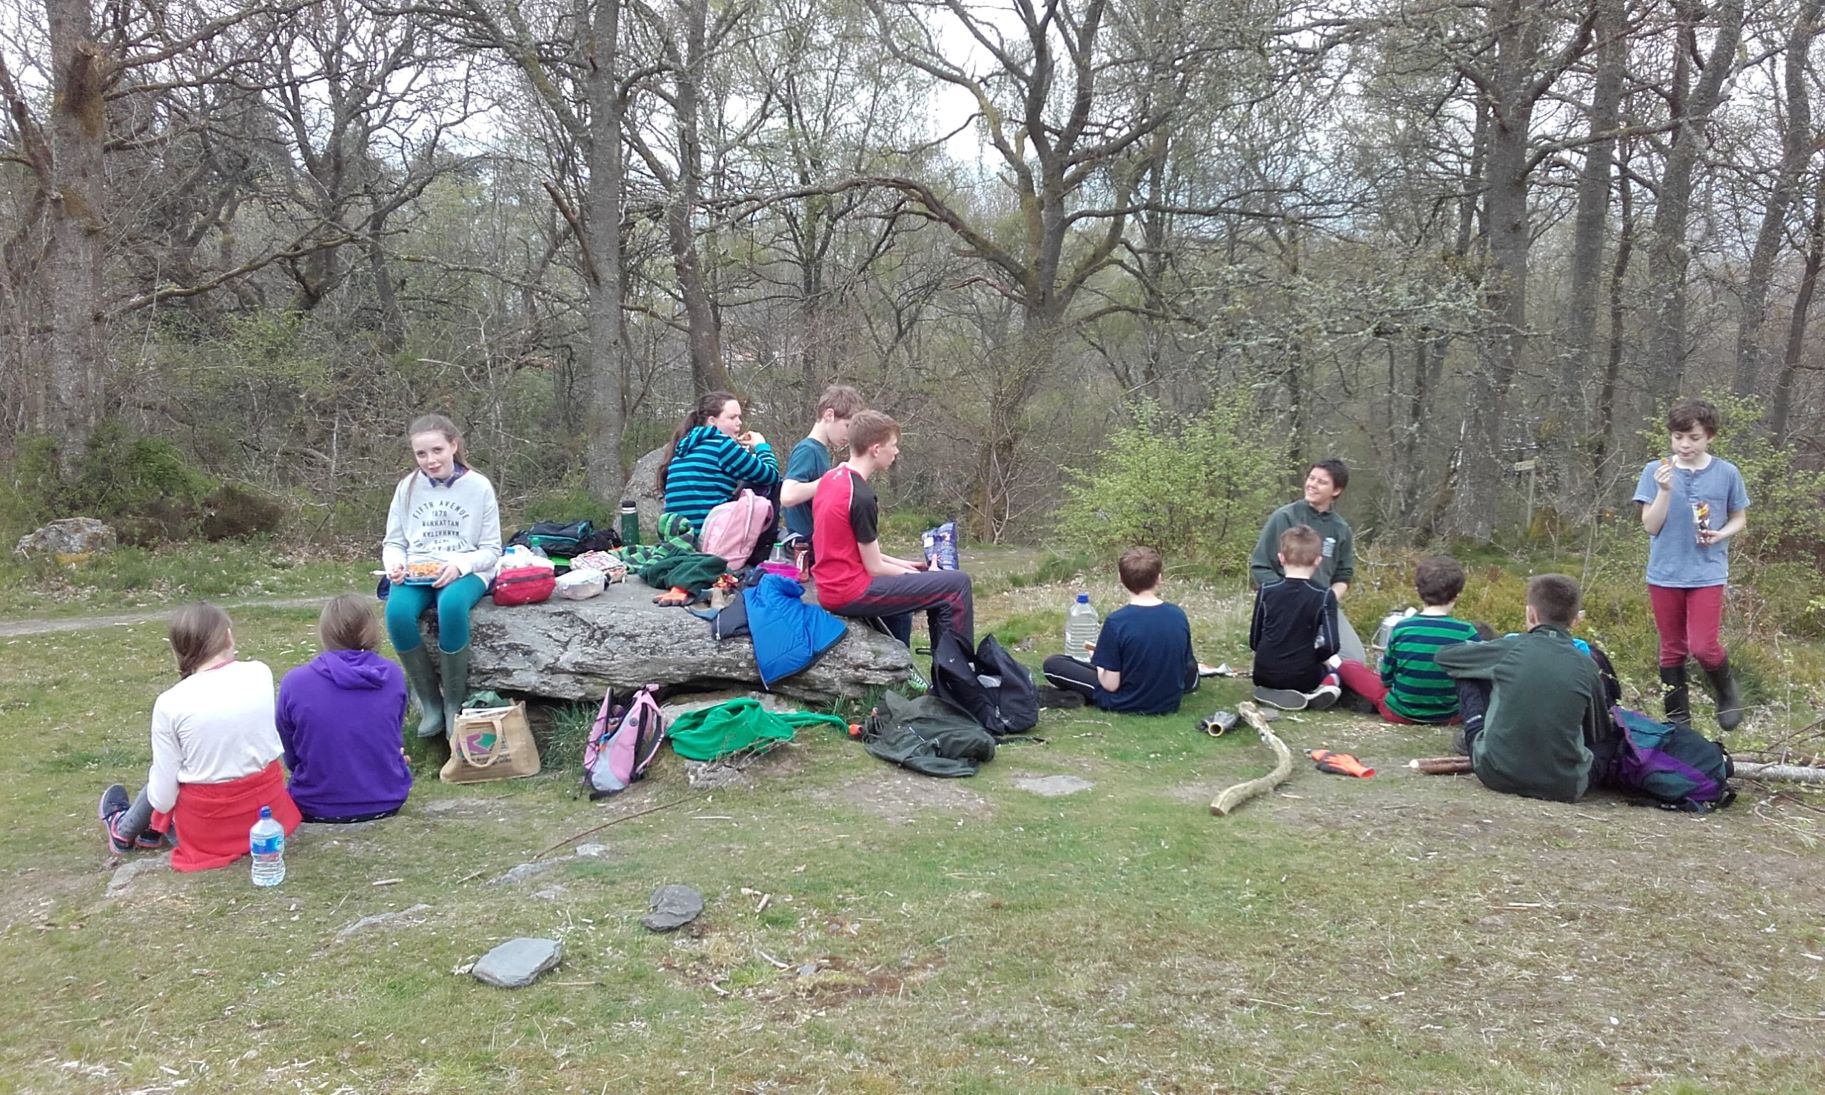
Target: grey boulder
<point>674,906</point>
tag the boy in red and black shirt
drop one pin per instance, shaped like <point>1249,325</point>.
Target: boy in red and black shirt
<point>853,577</point>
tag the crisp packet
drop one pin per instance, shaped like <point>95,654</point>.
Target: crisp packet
<point>941,546</point>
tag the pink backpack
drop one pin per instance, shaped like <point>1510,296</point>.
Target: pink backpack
<point>732,529</point>
<point>622,743</point>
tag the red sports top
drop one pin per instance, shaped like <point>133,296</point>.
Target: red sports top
<point>843,514</point>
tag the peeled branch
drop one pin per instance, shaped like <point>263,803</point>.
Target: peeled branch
<point>1231,797</point>
<point>1795,773</point>
<point>1441,766</point>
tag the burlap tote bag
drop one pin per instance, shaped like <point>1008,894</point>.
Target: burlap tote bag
<point>491,743</point>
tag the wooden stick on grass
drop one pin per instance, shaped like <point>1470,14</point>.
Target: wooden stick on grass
<point>1441,766</point>
<point>1231,797</point>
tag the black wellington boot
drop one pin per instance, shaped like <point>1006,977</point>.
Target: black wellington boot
<point>1729,704</point>
<point>1674,698</point>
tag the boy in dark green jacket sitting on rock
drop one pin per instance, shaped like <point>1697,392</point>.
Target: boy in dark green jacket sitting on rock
<point>1533,704</point>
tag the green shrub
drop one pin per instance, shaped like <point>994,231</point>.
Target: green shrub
<point>1196,489</point>
<point>146,487</point>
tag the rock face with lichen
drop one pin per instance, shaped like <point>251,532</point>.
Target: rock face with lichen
<point>574,650</point>
<point>70,536</point>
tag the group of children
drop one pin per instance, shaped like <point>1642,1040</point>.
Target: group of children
<point>1533,706</point>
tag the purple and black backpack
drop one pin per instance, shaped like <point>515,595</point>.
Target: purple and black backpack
<point>1671,763</point>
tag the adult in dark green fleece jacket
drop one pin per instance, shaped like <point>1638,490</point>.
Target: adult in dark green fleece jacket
<point>1324,484</point>
<point>1544,721</point>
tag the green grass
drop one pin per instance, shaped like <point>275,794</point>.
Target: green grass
<point>872,930</point>
<point>132,579</point>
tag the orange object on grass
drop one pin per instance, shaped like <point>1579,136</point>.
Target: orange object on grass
<point>1342,764</point>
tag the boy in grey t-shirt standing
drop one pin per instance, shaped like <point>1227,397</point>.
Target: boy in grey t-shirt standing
<point>1692,503</point>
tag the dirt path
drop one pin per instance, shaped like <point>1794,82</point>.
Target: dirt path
<point>12,629</point>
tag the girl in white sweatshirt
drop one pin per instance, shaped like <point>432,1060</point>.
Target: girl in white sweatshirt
<point>442,542</point>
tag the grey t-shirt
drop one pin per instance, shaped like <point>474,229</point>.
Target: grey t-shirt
<point>1675,557</point>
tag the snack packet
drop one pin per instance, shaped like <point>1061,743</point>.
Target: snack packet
<point>940,546</point>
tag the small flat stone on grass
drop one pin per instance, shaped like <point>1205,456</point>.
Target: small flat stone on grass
<point>518,962</point>
<point>400,919</point>
<point>124,875</point>
<point>674,906</point>
<point>1052,786</point>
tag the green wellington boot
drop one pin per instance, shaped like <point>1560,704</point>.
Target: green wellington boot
<point>455,672</point>
<point>423,681</point>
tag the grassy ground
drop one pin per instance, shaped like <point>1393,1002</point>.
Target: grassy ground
<point>872,930</point>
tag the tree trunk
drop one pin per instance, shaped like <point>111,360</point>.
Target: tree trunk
<point>1612,365</point>
<point>1579,332</point>
<point>1782,409</point>
<point>1796,149</point>
<point>606,416</point>
<point>78,135</point>
<point>1668,258</point>
<point>707,370</point>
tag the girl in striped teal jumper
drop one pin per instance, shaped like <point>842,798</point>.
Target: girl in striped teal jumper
<point>711,459</point>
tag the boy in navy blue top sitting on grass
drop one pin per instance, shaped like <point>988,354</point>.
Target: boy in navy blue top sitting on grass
<point>1142,663</point>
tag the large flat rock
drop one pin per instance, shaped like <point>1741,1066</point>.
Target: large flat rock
<point>574,650</point>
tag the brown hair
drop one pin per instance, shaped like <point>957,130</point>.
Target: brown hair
<point>1554,599</point>
<point>347,623</point>
<point>199,632</point>
<point>870,428</point>
<point>1299,546</point>
<point>1438,579</point>
<point>1140,569</point>
<point>709,405</point>
<point>842,400</point>
<point>1337,470</point>
<point>1688,413</point>
<point>437,423</point>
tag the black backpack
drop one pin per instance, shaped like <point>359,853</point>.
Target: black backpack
<point>565,539</point>
<point>996,690</point>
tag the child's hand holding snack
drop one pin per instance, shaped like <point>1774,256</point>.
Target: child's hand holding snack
<point>1663,475</point>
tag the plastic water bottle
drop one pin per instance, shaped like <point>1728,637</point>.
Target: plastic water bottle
<point>266,840</point>
<point>1081,626</point>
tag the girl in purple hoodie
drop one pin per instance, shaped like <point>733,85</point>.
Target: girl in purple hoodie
<point>340,718</point>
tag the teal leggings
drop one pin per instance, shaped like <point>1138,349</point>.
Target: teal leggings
<point>405,604</point>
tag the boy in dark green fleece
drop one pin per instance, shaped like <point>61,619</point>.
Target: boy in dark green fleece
<point>1534,719</point>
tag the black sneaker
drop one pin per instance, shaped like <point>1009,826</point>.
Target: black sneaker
<point>114,802</point>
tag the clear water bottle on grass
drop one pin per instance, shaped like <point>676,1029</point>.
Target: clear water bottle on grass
<point>266,840</point>
<point>1081,627</point>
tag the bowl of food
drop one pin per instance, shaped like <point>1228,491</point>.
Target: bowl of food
<point>422,574</point>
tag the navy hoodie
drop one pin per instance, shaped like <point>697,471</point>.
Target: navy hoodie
<point>340,718</point>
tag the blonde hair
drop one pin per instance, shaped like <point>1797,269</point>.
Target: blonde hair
<point>198,633</point>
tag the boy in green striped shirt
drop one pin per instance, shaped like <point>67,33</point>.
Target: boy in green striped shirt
<point>1411,688</point>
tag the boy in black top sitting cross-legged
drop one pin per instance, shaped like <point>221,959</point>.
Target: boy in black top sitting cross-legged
<point>1294,631</point>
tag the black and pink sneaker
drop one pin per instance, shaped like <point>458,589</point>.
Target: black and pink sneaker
<point>114,803</point>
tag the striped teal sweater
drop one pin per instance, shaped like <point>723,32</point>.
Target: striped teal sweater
<point>1417,688</point>
<point>706,469</point>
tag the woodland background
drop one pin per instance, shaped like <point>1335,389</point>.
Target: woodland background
<point>1118,268</point>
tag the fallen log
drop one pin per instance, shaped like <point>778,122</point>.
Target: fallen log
<point>1231,797</point>
<point>1792,773</point>
<point>1441,766</point>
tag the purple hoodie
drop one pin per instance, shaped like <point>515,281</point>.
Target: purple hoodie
<point>340,717</point>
